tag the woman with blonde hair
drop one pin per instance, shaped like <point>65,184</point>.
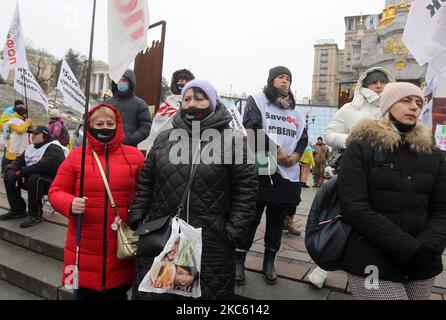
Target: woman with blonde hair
<point>101,275</point>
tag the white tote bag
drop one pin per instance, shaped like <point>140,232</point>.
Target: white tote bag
<point>177,269</point>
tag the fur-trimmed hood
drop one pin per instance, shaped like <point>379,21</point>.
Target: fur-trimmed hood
<point>383,135</point>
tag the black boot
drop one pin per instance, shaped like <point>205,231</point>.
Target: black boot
<point>268,267</point>
<point>240,258</point>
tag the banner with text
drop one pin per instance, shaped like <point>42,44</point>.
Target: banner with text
<point>236,123</point>
<point>70,88</point>
<point>440,137</point>
<point>13,54</point>
<point>26,84</point>
<point>128,23</point>
<point>425,33</point>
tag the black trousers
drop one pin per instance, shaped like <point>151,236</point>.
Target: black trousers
<point>5,161</point>
<point>291,211</point>
<point>116,294</point>
<point>275,213</point>
<point>37,186</point>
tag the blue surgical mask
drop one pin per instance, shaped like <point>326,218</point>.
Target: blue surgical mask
<point>123,87</point>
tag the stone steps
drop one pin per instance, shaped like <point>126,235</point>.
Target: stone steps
<point>45,238</point>
<point>31,265</point>
<point>36,273</point>
<point>9,291</point>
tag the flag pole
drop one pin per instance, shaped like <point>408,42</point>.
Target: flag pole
<point>55,99</point>
<point>84,149</point>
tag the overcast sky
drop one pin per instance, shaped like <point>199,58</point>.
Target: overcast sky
<point>228,42</point>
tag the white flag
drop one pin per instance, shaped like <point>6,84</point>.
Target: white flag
<point>33,90</point>
<point>236,123</point>
<point>426,114</point>
<point>162,120</point>
<point>13,55</point>
<point>425,32</point>
<point>70,88</point>
<point>128,22</point>
<point>432,80</point>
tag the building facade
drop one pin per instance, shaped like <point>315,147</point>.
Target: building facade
<point>373,40</point>
<point>100,79</point>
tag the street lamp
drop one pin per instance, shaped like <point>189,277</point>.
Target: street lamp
<point>309,115</point>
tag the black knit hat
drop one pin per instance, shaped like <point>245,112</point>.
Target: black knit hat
<point>277,71</point>
<point>374,76</point>
<point>18,102</point>
<point>178,75</point>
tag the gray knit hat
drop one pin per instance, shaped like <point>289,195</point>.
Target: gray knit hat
<point>374,76</point>
<point>277,71</point>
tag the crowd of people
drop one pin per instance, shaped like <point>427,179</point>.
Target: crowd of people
<point>397,210</point>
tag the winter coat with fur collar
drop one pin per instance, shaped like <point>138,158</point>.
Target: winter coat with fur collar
<point>396,207</point>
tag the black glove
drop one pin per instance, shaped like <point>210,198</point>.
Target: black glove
<point>420,259</point>
<point>135,225</point>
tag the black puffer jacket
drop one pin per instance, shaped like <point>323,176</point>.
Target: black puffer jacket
<point>222,202</point>
<point>397,208</point>
<point>134,112</point>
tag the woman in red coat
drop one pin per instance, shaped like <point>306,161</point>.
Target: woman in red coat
<point>101,274</point>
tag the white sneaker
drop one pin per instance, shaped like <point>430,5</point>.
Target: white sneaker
<point>317,277</point>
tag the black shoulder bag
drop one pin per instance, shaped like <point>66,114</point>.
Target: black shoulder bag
<point>326,234</point>
<point>153,235</point>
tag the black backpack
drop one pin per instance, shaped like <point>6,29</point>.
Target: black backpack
<point>326,234</point>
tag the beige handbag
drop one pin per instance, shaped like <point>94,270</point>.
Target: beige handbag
<point>126,240</point>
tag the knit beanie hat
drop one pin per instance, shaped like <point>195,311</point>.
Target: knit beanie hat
<point>206,87</point>
<point>374,76</point>
<point>54,113</point>
<point>178,75</point>
<point>394,92</point>
<point>18,103</point>
<point>277,71</point>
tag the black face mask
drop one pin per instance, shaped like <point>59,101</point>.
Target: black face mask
<point>195,114</point>
<point>403,128</point>
<point>21,112</point>
<point>103,135</point>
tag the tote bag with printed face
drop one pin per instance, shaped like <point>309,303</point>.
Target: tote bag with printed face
<point>177,269</point>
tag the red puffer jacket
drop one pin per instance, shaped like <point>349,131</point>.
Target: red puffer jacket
<point>99,268</point>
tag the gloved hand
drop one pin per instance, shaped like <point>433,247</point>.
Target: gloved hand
<point>135,225</point>
<point>292,159</point>
<point>420,259</point>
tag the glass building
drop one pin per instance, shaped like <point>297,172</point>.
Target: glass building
<point>317,118</point>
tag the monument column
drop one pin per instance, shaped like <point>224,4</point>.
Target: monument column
<point>104,83</point>
<point>97,84</point>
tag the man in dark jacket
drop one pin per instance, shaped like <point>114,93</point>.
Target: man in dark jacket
<point>37,166</point>
<point>134,111</point>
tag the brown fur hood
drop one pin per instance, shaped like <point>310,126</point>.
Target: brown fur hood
<point>383,135</point>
